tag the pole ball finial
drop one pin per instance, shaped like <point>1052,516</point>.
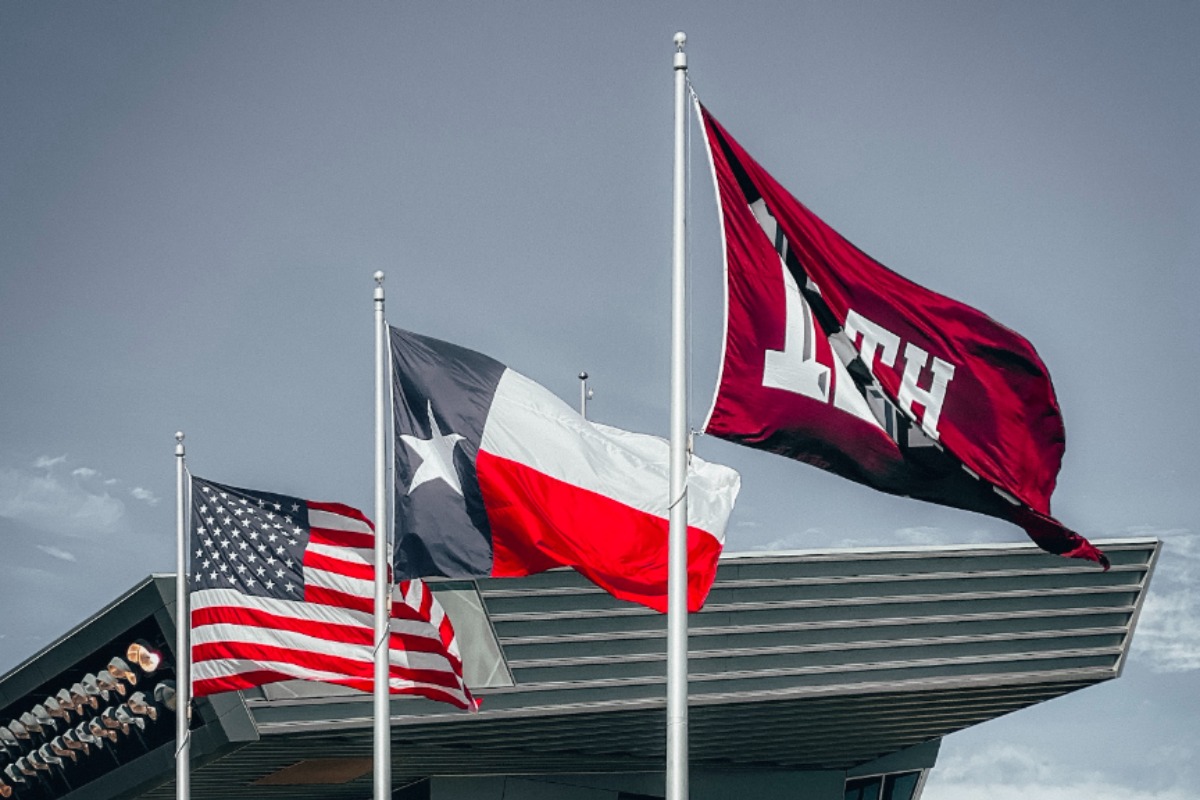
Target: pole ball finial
<point>379,276</point>
<point>680,40</point>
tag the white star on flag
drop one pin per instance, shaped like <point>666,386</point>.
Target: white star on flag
<point>437,456</point>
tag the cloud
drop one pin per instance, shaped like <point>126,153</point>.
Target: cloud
<point>46,462</point>
<point>1015,772</point>
<point>1167,638</point>
<point>44,501</point>
<point>145,495</point>
<point>84,472</point>
<point>56,552</point>
<point>796,540</point>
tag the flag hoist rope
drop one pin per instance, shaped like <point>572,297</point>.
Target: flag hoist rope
<point>380,693</point>
<point>677,621</point>
<point>183,625</point>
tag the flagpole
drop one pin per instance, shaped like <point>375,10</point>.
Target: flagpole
<point>677,631</point>
<point>382,704</point>
<point>183,625</point>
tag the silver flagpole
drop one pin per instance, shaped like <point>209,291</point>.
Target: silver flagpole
<point>383,712</point>
<point>183,627</point>
<point>677,622</point>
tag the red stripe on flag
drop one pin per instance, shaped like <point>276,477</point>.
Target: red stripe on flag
<point>539,522</point>
<point>332,597</point>
<point>328,563</point>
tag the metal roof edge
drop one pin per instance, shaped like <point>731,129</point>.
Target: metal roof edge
<point>76,639</point>
<point>929,549</point>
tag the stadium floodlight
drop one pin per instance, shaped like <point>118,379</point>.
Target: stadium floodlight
<point>145,656</point>
<point>37,762</point>
<point>106,680</point>
<point>92,687</point>
<point>30,722</point>
<point>164,694</point>
<point>108,718</point>
<point>18,730</point>
<point>126,718</point>
<point>99,731</point>
<point>67,702</point>
<point>58,746</point>
<point>25,767</point>
<point>139,705</point>
<point>81,697</point>
<point>8,740</point>
<point>121,670</point>
<point>47,754</point>
<point>83,732</point>
<point>44,718</point>
<point>13,775</point>
<point>73,742</point>
<point>57,709</point>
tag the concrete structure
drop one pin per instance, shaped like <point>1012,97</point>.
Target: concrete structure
<point>822,675</point>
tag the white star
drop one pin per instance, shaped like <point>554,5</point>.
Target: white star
<point>437,456</point>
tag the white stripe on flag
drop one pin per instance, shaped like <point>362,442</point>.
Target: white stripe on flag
<point>531,426</point>
<point>318,518</point>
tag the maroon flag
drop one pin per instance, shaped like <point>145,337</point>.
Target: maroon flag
<point>833,359</point>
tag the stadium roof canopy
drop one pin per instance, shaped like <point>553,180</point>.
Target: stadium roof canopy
<point>831,661</point>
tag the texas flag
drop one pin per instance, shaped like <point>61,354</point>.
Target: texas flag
<point>833,359</point>
<point>496,476</point>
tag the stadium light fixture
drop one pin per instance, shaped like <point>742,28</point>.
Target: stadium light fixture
<point>13,775</point>
<point>145,656</point>
<point>30,722</point>
<point>57,709</point>
<point>92,687</point>
<point>47,754</point>
<point>73,742</point>
<point>67,702</point>
<point>101,732</point>
<point>43,717</point>
<point>58,746</point>
<point>25,767</point>
<point>121,670</point>
<point>141,706</point>
<point>127,719</point>
<point>81,698</point>
<point>110,720</point>
<point>106,680</point>
<point>36,761</point>
<point>164,694</point>
<point>18,730</point>
<point>8,740</point>
<point>83,732</point>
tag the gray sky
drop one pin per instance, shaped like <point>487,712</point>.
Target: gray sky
<point>193,198</point>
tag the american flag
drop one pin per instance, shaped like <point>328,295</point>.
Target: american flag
<point>282,589</point>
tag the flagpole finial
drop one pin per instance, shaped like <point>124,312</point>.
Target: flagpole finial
<point>379,276</point>
<point>178,443</point>
<point>680,40</point>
